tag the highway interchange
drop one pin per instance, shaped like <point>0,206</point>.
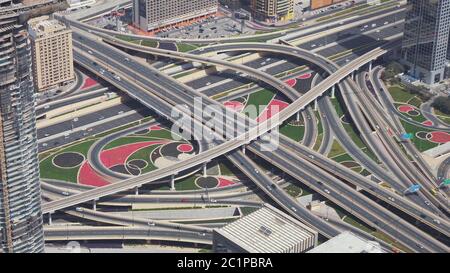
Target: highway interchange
<point>153,88</point>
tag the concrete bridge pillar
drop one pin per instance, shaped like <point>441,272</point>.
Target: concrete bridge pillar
<point>136,191</point>
<point>370,66</point>
<point>353,75</point>
<point>243,149</point>
<point>94,205</point>
<point>298,116</point>
<point>333,91</point>
<point>50,219</point>
<point>172,182</point>
<point>205,165</point>
<point>315,105</point>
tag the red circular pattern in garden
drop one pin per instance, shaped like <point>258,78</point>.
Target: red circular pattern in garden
<point>440,137</point>
<point>427,123</point>
<point>304,76</point>
<point>405,108</point>
<point>234,105</point>
<point>291,82</point>
<point>185,148</point>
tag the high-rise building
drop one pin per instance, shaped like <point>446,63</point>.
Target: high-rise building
<point>426,38</point>
<point>20,195</point>
<point>272,11</point>
<point>52,53</point>
<point>151,15</point>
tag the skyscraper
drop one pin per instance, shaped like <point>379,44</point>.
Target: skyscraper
<point>150,15</point>
<point>426,36</point>
<point>52,53</point>
<point>272,10</point>
<point>20,196</point>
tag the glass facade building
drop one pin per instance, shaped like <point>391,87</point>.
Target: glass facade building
<point>21,228</point>
<point>426,37</point>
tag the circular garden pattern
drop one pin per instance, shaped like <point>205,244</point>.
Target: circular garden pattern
<point>409,109</point>
<point>436,137</point>
<point>208,182</point>
<point>68,160</point>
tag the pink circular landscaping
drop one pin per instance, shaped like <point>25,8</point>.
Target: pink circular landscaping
<point>88,176</point>
<point>155,128</point>
<point>89,82</point>
<point>119,155</point>
<point>225,182</point>
<point>427,123</point>
<point>234,105</point>
<point>440,137</point>
<point>274,107</point>
<point>405,108</point>
<point>304,76</point>
<point>185,148</point>
<point>291,82</point>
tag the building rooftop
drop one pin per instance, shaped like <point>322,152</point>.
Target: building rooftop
<point>348,242</point>
<point>43,25</point>
<point>267,230</point>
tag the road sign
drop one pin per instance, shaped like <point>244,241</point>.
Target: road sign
<point>413,188</point>
<point>446,182</point>
<point>407,136</point>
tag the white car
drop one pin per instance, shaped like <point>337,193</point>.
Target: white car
<point>327,191</point>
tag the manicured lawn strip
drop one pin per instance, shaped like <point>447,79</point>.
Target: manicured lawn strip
<point>293,132</point>
<point>125,140</point>
<point>416,101</point>
<point>342,158</point>
<point>164,134</point>
<point>399,94</point>
<point>297,191</point>
<point>183,47</point>
<point>259,100</point>
<point>318,142</point>
<point>336,149</point>
<point>150,43</point>
<point>338,107</point>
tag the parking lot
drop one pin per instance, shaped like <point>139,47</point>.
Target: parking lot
<point>208,28</point>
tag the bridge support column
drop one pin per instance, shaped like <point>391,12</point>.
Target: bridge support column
<point>50,219</point>
<point>370,66</point>
<point>333,91</point>
<point>315,105</point>
<point>172,182</point>
<point>136,191</point>
<point>205,165</point>
<point>243,149</point>
<point>94,205</point>
<point>298,116</point>
<point>353,75</point>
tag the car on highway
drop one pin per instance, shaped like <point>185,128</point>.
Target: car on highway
<point>294,209</point>
<point>327,191</point>
<point>151,223</point>
<point>65,193</point>
<point>427,203</point>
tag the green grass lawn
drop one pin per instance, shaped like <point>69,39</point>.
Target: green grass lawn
<point>259,100</point>
<point>422,145</point>
<point>293,132</point>
<point>150,43</point>
<point>144,154</point>
<point>336,149</point>
<point>184,47</point>
<point>126,140</point>
<point>399,94</point>
<point>50,171</point>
